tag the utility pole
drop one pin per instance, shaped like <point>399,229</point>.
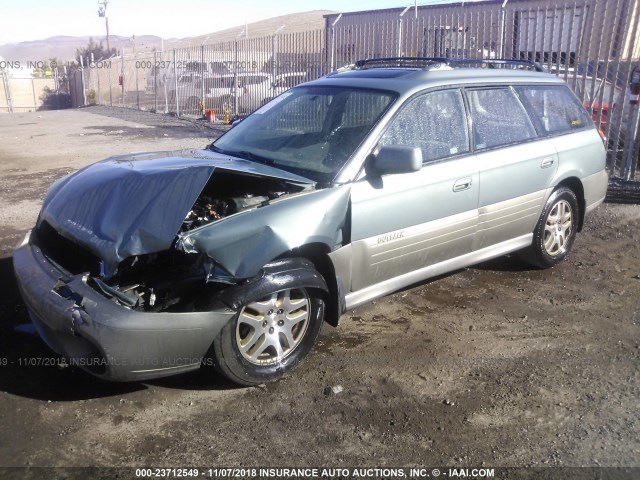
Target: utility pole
<point>102,12</point>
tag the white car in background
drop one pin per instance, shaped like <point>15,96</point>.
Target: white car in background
<point>254,96</point>
<point>252,91</point>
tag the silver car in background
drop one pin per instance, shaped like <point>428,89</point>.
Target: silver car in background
<point>253,90</point>
<point>335,193</point>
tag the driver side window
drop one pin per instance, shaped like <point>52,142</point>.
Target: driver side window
<point>435,122</point>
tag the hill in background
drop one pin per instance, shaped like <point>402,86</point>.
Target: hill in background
<point>295,22</point>
<point>64,47</point>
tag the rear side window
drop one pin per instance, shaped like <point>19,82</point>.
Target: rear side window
<point>554,109</point>
<point>435,122</point>
<point>498,118</point>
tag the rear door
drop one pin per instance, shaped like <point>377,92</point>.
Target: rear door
<point>516,166</point>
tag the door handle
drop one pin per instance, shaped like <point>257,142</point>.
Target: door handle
<point>546,162</point>
<point>462,184</point>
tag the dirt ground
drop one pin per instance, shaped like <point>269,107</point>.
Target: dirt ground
<point>497,365</point>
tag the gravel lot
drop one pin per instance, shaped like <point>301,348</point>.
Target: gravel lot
<point>495,365</point>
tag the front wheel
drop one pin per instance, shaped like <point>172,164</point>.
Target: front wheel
<point>269,337</point>
<point>556,229</point>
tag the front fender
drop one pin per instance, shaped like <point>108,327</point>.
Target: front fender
<point>244,242</point>
<point>274,277</point>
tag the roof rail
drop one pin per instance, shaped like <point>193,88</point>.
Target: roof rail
<point>410,62</point>
<point>495,63</point>
<point>427,62</point>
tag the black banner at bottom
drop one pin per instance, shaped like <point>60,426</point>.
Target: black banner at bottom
<point>328,473</point>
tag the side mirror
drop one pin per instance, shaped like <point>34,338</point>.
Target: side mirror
<point>395,159</point>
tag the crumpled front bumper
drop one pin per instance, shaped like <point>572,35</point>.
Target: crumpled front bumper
<point>107,339</point>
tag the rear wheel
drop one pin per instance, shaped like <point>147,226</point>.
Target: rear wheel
<point>269,337</point>
<point>555,231</point>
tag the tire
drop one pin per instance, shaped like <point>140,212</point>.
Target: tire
<point>555,231</point>
<point>240,351</point>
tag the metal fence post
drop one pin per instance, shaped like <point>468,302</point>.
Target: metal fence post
<point>274,56</point>
<point>91,65</point>
<point>56,83</point>
<point>204,72</point>
<point>155,82</point>
<point>7,92</point>
<point>110,87</point>
<point>235,80</point>
<point>137,78</point>
<point>122,78</point>
<point>400,30</point>
<point>99,94</point>
<point>33,90</point>
<point>67,74</point>
<point>164,83</point>
<point>274,53</point>
<point>175,84</point>
<point>332,47</point>
<point>503,15</point>
<point>631,146</point>
<point>84,90</point>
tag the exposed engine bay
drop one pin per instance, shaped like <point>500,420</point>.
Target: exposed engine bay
<point>208,209</point>
<point>225,196</point>
<point>172,280</point>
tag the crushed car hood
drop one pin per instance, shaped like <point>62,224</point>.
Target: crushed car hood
<point>135,204</point>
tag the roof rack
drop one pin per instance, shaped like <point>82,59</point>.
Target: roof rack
<point>435,62</point>
<point>495,63</point>
<point>407,62</point>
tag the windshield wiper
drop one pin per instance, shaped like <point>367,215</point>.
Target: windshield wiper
<point>244,154</point>
<point>251,156</point>
<point>213,148</point>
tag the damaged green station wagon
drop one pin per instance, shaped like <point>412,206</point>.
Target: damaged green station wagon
<point>335,193</point>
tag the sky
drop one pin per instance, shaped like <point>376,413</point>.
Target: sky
<point>23,20</point>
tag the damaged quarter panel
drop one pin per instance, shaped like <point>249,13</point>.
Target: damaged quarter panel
<point>244,242</point>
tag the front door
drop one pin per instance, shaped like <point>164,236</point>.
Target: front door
<point>404,222</point>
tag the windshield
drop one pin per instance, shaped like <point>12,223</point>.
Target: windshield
<point>309,131</point>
